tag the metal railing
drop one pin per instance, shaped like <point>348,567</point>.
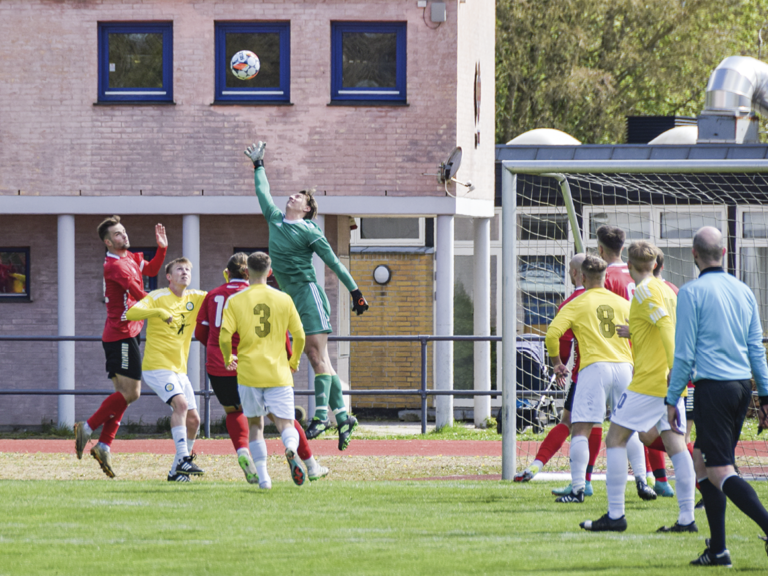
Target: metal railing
<point>206,393</point>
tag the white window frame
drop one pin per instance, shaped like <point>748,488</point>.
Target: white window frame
<point>742,242</point>
<point>356,240</point>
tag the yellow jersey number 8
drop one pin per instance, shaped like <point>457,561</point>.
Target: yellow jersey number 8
<point>605,318</point>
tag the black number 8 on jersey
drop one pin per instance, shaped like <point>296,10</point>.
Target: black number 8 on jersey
<point>605,318</point>
<point>264,327</point>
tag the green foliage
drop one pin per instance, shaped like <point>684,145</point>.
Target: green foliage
<point>450,527</point>
<point>581,66</point>
<point>49,428</point>
<point>463,352</point>
<point>163,424</point>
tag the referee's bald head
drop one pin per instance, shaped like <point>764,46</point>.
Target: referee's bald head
<point>708,245</point>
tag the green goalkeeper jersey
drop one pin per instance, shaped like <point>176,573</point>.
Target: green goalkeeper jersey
<point>292,243</point>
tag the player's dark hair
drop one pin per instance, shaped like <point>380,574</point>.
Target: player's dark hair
<point>612,238</point>
<point>103,228</point>
<point>237,267</point>
<point>259,263</point>
<point>311,203</point>
<point>659,262</point>
<point>172,263</point>
<point>593,267</point>
<point>643,255</point>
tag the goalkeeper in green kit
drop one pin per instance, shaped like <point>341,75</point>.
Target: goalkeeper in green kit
<point>293,238</point>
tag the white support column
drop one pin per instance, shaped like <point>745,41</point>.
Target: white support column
<point>444,320</point>
<point>482,317</point>
<point>66,318</point>
<point>509,324</point>
<point>320,273</point>
<point>190,246</point>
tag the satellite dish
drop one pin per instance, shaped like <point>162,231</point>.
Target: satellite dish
<point>450,167</point>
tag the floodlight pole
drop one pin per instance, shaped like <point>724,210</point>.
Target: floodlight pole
<point>509,324</point>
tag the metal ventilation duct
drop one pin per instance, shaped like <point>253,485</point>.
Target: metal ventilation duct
<point>737,89</point>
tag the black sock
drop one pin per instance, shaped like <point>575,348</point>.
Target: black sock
<point>745,497</point>
<point>714,506</point>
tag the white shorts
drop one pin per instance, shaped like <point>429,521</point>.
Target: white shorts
<point>641,412</point>
<point>599,383</point>
<point>168,384</point>
<point>277,401</point>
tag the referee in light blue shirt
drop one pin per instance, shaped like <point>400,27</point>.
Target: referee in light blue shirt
<point>719,345</point>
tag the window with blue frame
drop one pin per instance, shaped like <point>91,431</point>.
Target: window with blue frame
<point>271,42</point>
<point>136,62</point>
<point>368,62</point>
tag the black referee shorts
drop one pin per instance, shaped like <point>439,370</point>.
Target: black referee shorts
<point>225,388</point>
<point>123,357</point>
<point>719,412</point>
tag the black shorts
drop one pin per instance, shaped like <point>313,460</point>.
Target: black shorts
<point>569,397</point>
<point>719,412</point>
<point>225,388</point>
<point>124,358</point>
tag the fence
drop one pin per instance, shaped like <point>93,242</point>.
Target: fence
<point>206,391</point>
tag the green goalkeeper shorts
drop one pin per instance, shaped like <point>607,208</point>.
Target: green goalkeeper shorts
<point>313,307</point>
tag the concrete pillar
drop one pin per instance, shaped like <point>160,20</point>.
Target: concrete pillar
<point>66,318</point>
<point>190,247</point>
<point>444,320</point>
<point>482,317</point>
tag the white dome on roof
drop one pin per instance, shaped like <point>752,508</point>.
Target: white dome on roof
<point>678,135</point>
<point>544,137</point>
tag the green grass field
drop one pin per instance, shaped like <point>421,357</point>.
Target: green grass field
<point>338,528</point>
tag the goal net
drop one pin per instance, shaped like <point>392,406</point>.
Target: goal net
<point>557,216</point>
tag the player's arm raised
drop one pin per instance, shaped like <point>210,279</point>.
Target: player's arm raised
<point>256,153</point>
<point>323,249</point>
<point>152,267</point>
<point>145,308</point>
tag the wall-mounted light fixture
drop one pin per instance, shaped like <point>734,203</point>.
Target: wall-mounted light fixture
<point>382,274</point>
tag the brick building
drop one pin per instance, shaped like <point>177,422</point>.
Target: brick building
<point>109,107</point>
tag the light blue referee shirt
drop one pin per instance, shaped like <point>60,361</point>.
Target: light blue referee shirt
<point>718,334</point>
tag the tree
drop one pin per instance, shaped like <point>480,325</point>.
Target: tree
<point>581,66</point>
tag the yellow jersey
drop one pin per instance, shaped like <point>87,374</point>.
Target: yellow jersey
<point>260,315</point>
<point>593,317</point>
<point>652,331</point>
<point>167,346</point>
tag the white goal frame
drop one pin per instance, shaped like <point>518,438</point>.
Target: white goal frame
<point>558,169</point>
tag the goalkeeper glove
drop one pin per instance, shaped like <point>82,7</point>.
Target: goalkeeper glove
<point>359,304</point>
<point>256,153</point>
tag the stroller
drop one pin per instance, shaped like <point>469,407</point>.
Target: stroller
<point>533,376</point>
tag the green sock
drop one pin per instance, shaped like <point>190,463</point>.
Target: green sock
<point>322,390</point>
<point>336,400</point>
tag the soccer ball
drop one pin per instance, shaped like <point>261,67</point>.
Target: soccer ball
<point>245,65</point>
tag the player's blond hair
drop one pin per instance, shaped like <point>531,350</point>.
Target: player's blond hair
<point>643,255</point>
<point>169,267</point>
<point>593,268</point>
<point>311,203</point>
<point>237,267</point>
<point>259,263</point>
<point>103,228</point>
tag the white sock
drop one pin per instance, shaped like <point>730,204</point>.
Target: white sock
<point>259,453</point>
<point>311,463</point>
<point>290,438</point>
<point>579,462</point>
<point>87,429</point>
<point>636,455</point>
<point>190,443</point>
<point>538,464</point>
<point>243,452</point>
<point>103,446</point>
<point>180,441</point>
<point>616,481</point>
<point>685,485</point>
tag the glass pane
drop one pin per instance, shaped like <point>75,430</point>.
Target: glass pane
<point>266,45</point>
<point>678,266</point>
<point>13,273</point>
<point>636,225</point>
<point>541,274</point>
<point>136,60</point>
<point>369,60</point>
<point>685,225</point>
<point>387,228</point>
<point>463,229</point>
<point>463,323</point>
<point>756,225</point>
<point>495,222</point>
<point>543,227</point>
<point>753,271</point>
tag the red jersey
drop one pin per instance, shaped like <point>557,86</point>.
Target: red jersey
<point>618,281</point>
<point>123,287</point>
<point>568,339</point>
<point>209,326</point>
<point>675,289</point>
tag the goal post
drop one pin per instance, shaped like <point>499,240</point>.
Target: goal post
<point>551,210</point>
